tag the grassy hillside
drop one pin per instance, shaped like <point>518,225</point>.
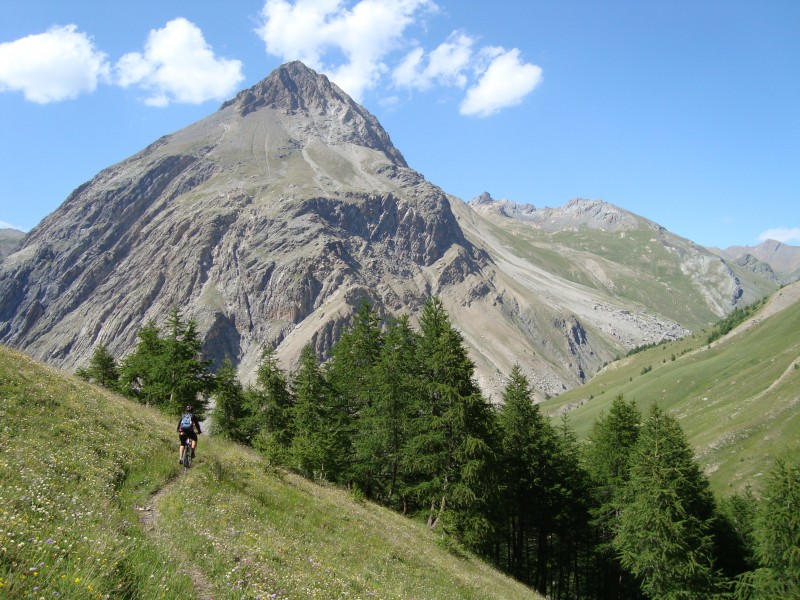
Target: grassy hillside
<point>93,505</point>
<point>738,399</point>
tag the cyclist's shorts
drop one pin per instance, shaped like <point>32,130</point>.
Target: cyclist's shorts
<point>188,434</point>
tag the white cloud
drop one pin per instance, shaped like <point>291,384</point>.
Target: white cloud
<point>505,82</point>
<point>785,235</point>
<point>178,65</point>
<point>56,65</point>
<point>364,35</point>
<point>5,225</point>
<point>361,44</point>
<point>446,65</point>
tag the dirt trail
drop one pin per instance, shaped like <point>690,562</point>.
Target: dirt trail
<point>149,517</point>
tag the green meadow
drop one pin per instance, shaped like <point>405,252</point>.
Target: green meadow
<point>93,504</point>
<point>737,399</point>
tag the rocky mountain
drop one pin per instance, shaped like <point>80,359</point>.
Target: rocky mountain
<point>10,240</point>
<point>772,256</point>
<point>270,220</point>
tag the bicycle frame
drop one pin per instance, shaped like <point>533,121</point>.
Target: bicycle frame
<point>187,453</point>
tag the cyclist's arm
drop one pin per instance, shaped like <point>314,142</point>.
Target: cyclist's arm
<point>197,424</point>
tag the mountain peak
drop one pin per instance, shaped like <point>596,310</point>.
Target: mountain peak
<point>294,89</point>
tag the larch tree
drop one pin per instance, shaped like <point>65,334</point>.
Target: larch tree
<point>449,447</point>
<point>229,411</point>
<point>268,403</point>
<point>777,537</point>
<point>315,443</point>
<point>664,531</point>
<point>102,369</point>
<point>607,459</point>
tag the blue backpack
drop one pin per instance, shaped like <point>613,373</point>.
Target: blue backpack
<point>186,422</point>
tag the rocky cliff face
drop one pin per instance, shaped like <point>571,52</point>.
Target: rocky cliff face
<point>270,220</point>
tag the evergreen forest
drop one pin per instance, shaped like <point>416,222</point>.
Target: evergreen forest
<point>394,415</point>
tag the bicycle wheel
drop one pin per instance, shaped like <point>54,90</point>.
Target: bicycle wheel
<point>187,454</point>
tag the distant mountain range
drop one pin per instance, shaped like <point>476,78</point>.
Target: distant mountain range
<point>270,220</point>
<point>783,260</point>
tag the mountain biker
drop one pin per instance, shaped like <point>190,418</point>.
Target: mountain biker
<point>187,425</point>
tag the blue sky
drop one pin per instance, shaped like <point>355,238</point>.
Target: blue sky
<point>684,112</point>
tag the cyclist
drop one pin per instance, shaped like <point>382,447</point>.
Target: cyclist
<point>187,425</point>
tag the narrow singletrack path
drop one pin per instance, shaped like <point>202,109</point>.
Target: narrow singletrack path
<point>149,517</point>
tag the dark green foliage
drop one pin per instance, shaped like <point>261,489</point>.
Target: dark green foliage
<point>350,375</point>
<point>316,440</point>
<point>542,515</point>
<point>664,535</point>
<point>268,405</point>
<point>168,372</point>
<point>607,457</point>
<point>448,446</point>
<point>384,427</point>
<point>777,537</point>
<point>734,318</point>
<point>229,410</point>
<point>102,369</point>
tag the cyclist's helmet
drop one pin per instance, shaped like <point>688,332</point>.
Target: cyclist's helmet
<point>189,408</point>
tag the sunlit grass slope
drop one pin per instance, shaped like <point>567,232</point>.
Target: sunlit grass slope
<point>738,400</point>
<point>77,464</point>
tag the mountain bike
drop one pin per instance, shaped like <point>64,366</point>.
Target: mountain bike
<point>187,453</point>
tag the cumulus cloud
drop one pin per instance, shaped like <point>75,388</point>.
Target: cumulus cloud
<point>59,64</point>
<point>178,65</point>
<point>446,65</point>
<point>505,82</point>
<point>785,235</point>
<point>361,46</point>
<point>363,36</point>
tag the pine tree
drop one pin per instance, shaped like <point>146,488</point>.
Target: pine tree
<point>186,372</point>
<point>269,408</point>
<point>777,535</point>
<point>607,458</point>
<point>542,512</point>
<point>102,368</point>
<point>384,424</point>
<point>449,448</point>
<point>350,374</point>
<point>664,528</point>
<point>316,437</point>
<point>168,372</point>
<point>229,411</point>
<point>141,372</point>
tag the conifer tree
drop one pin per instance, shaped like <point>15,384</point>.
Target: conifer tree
<point>664,528</point>
<point>777,535</point>
<point>229,411</point>
<point>186,372</point>
<point>102,368</point>
<point>269,408</point>
<point>314,445</point>
<point>450,448</point>
<point>350,373</point>
<point>168,372</point>
<point>384,424</point>
<point>607,457</point>
<point>141,372</point>
<point>542,509</point>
